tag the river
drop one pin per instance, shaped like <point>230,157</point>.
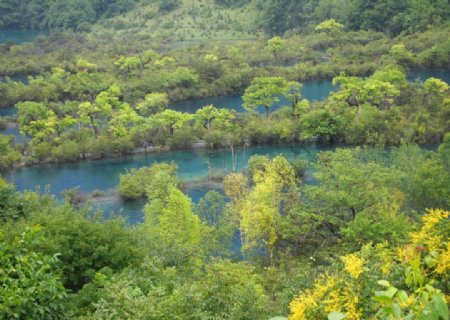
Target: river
<point>104,174</point>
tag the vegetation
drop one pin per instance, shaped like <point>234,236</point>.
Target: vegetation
<point>360,232</point>
<point>82,115</point>
<point>357,243</point>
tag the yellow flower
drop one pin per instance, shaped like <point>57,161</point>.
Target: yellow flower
<point>310,299</point>
<point>353,265</point>
<point>427,233</point>
<point>386,267</point>
<point>344,300</point>
<point>444,262</point>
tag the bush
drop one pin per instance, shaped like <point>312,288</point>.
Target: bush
<point>133,184</point>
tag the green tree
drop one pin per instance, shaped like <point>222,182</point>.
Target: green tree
<point>435,87</point>
<point>98,112</point>
<point>170,120</point>
<point>264,91</point>
<point>36,120</point>
<point>179,230</point>
<point>260,214</point>
<point>153,103</point>
<point>275,45</point>
<point>329,27</point>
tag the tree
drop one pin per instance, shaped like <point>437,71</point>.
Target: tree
<point>293,94</point>
<point>97,112</point>
<point>131,62</point>
<point>330,27</point>
<point>205,116</point>
<point>157,190</point>
<point>170,120</point>
<point>123,120</point>
<point>260,213</point>
<point>435,87</point>
<point>128,63</point>
<point>377,90</point>
<point>179,230</point>
<point>154,103</point>
<point>211,209</point>
<point>264,91</point>
<point>361,284</point>
<point>36,120</point>
<point>401,54</point>
<point>444,150</point>
<point>275,45</point>
<point>208,115</point>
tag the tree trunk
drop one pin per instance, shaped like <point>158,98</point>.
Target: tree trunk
<point>267,114</point>
<point>233,163</point>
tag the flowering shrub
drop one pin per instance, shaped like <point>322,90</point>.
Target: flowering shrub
<point>413,279</point>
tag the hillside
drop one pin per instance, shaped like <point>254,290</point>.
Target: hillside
<point>191,20</point>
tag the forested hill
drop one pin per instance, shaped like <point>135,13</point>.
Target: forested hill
<point>224,18</point>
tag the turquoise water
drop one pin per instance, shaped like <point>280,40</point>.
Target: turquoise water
<point>312,90</point>
<point>425,74</point>
<point>6,112</point>
<point>18,36</point>
<point>104,174</point>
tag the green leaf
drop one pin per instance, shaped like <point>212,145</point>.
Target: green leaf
<point>382,299</point>
<point>402,296</point>
<point>441,306</point>
<point>336,316</point>
<point>384,283</point>
<point>397,311</point>
<point>429,261</point>
<point>380,296</point>
<point>391,292</point>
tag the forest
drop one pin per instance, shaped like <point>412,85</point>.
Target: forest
<point>225,159</point>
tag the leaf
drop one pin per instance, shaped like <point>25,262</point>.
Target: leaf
<point>384,283</point>
<point>402,296</point>
<point>397,311</point>
<point>391,292</point>
<point>429,261</point>
<point>441,306</point>
<point>382,299</point>
<point>336,316</point>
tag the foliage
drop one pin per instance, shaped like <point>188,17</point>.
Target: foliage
<point>68,14</point>
<point>30,286</point>
<point>329,26</point>
<point>133,185</point>
<point>352,290</point>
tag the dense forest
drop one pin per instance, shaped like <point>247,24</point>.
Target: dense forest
<point>274,16</point>
<point>358,230</point>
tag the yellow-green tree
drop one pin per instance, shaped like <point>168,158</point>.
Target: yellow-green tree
<point>264,91</point>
